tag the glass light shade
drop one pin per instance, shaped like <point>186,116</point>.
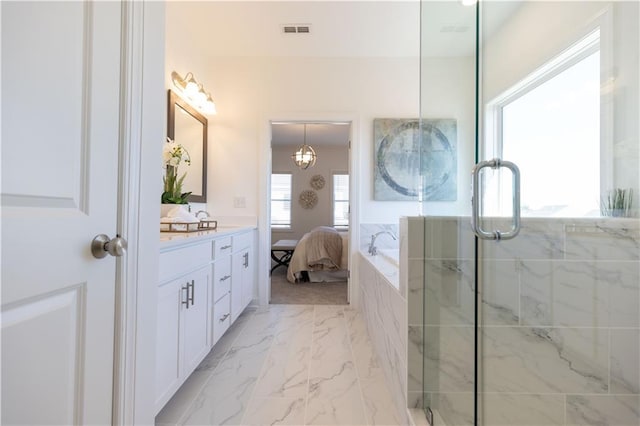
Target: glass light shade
<point>304,157</point>
<point>200,96</point>
<point>191,87</point>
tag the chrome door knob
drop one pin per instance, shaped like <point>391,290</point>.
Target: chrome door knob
<point>103,245</point>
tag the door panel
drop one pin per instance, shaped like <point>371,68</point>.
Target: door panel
<point>549,358</point>
<point>60,133</point>
<point>544,328</point>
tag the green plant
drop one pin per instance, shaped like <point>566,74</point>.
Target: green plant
<point>173,187</point>
<point>173,154</point>
<point>618,202</point>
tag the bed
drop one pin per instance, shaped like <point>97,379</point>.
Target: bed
<point>321,256</point>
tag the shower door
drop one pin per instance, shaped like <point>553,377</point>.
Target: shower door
<point>531,292</point>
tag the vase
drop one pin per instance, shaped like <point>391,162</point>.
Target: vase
<point>165,208</point>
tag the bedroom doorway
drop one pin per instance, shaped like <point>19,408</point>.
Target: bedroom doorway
<point>310,217</point>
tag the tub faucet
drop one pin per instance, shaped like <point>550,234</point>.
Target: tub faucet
<point>373,250</point>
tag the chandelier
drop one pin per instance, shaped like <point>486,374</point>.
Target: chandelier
<point>304,156</point>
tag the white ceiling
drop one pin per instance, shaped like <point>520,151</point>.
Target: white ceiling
<point>338,28</point>
<point>325,134</point>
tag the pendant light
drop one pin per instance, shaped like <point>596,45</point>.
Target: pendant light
<point>305,156</point>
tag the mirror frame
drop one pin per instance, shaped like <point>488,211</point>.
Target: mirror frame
<point>174,100</point>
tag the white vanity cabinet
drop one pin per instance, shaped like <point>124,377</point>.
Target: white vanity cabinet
<point>222,287</point>
<point>183,336</point>
<point>201,276</point>
<point>242,281</point>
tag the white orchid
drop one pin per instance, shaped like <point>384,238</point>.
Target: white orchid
<point>173,154</point>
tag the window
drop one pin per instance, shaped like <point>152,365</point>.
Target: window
<point>340,200</point>
<point>281,200</point>
<point>549,126</point>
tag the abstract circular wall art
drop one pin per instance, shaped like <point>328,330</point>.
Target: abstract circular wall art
<point>410,166</point>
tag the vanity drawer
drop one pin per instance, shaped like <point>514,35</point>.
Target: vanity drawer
<point>242,241</point>
<point>221,317</point>
<point>221,247</point>
<point>221,278</point>
<point>183,259</point>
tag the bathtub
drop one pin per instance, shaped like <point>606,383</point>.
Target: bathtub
<point>387,263</point>
<point>385,311</point>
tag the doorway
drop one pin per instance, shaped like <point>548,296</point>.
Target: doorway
<point>309,212</point>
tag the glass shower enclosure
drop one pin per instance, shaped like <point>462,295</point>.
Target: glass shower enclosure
<point>531,285</point>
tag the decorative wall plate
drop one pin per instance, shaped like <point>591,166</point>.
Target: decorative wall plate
<point>308,199</point>
<point>317,182</point>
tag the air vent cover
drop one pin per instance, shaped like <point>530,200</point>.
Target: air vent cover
<point>296,28</point>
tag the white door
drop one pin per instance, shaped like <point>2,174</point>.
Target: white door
<point>60,118</point>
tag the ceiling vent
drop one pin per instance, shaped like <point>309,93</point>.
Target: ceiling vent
<point>296,29</point>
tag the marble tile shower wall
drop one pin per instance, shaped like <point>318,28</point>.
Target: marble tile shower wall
<point>560,323</point>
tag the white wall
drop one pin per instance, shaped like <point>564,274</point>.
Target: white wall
<point>250,91</point>
<point>330,159</point>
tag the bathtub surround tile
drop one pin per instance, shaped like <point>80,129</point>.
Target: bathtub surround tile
<point>382,241</point>
<point>539,360</point>
<point>384,311</point>
<point>596,410</point>
<point>625,361</point>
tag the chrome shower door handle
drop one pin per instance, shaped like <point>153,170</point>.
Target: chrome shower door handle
<point>496,163</point>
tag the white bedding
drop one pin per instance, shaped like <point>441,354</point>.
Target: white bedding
<point>298,264</point>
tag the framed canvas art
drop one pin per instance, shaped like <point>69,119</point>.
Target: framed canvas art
<point>413,163</point>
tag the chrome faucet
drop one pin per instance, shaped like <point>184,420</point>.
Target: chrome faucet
<point>373,250</point>
<point>206,213</point>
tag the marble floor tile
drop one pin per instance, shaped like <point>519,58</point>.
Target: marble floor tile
<point>288,365</point>
<point>275,411</point>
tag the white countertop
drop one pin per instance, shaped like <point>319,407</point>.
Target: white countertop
<point>171,239</point>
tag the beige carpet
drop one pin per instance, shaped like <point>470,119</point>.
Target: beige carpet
<point>285,293</point>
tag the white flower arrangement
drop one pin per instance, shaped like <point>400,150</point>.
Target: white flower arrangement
<point>173,154</point>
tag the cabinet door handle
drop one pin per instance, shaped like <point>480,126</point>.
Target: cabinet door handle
<point>192,297</point>
<point>246,260</point>
<point>224,317</point>
<point>185,301</point>
<point>226,277</point>
<point>228,246</point>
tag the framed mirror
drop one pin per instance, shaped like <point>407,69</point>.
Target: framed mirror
<point>188,127</point>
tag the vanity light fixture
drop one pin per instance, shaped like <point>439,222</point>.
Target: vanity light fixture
<point>305,156</point>
<point>194,92</point>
